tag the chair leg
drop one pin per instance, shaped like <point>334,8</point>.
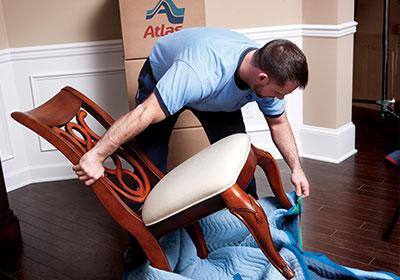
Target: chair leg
<point>247,209</point>
<point>271,170</point>
<point>195,233</point>
<point>154,253</point>
<point>130,222</point>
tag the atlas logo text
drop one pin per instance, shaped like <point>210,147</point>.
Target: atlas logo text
<point>174,15</point>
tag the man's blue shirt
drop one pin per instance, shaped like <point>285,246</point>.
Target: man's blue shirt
<point>196,68</point>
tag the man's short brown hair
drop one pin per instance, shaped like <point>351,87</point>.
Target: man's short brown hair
<point>283,61</point>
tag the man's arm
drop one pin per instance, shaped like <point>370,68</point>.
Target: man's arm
<point>90,167</point>
<point>283,138</point>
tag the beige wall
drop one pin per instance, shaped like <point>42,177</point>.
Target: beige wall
<point>344,80</point>
<point>345,11</point>
<point>255,13</point>
<point>327,11</point>
<point>319,11</point>
<point>3,31</point>
<point>320,94</point>
<point>327,98</point>
<point>42,22</point>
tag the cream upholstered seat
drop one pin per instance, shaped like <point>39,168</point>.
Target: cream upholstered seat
<point>206,174</point>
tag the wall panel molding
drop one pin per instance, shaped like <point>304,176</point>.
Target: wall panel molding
<point>34,79</point>
<point>5,56</point>
<point>300,30</point>
<point>6,151</point>
<point>35,74</point>
<point>70,49</point>
<point>329,31</point>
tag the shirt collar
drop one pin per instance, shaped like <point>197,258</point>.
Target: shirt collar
<point>239,82</point>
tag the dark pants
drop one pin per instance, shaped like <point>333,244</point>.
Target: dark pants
<point>154,139</point>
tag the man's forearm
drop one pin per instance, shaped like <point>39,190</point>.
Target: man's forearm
<point>283,138</point>
<point>124,129</point>
<point>90,167</point>
<point>128,126</point>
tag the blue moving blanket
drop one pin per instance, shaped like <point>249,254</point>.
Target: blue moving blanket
<point>234,254</point>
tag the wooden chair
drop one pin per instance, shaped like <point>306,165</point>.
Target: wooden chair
<point>158,204</point>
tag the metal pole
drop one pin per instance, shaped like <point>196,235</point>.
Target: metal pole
<point>385,50</point>
<point>387,105</point>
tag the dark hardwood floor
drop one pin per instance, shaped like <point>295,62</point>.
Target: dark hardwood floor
<point>68,235</point>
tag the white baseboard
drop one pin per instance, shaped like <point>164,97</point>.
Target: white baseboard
<point>17,179</point>
<point>37,174</point>
<point>326,144</point>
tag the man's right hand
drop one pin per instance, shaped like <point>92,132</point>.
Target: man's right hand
<point>90,168</point>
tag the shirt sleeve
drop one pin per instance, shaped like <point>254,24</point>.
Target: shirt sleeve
<point>271,107</point>
<point>178,87</point>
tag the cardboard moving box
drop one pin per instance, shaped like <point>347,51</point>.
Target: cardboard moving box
<point>143,23</point>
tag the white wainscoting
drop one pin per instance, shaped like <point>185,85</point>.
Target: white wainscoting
<point>13,153</point>
<point>99,85</point>
<point>37,73</point>
<point>6,152</point>
<point>31,75</point>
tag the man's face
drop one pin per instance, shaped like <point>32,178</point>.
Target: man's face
<point>272,89</point>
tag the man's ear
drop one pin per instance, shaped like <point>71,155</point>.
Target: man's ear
<point>262,78</point>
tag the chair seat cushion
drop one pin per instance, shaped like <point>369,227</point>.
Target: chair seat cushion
<point>204,175</point>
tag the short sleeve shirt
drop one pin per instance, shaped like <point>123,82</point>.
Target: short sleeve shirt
<point>197,67</point>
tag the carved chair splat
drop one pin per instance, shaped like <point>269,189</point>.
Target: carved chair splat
<point>133,195</point>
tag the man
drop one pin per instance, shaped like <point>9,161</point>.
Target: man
<point>212,72</point>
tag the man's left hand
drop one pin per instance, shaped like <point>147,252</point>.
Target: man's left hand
<point>300,182</point>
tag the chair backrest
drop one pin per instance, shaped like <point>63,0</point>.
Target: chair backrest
<point>54,121</point>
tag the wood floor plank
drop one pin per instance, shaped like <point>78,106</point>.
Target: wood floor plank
<point>85,240</point>
<point>371,243</point>
<point>387,264</point>
<point>75,213</point>
<point>343,260</point>
<point>339,251</point>
<point>73,255</point>
<point>348,250</point>
<point>73,221</point>
<point>331,198</point>
<point>52,260</point>
<point>6,276</point>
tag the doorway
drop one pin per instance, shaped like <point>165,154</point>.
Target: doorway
<point>368,49</point>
